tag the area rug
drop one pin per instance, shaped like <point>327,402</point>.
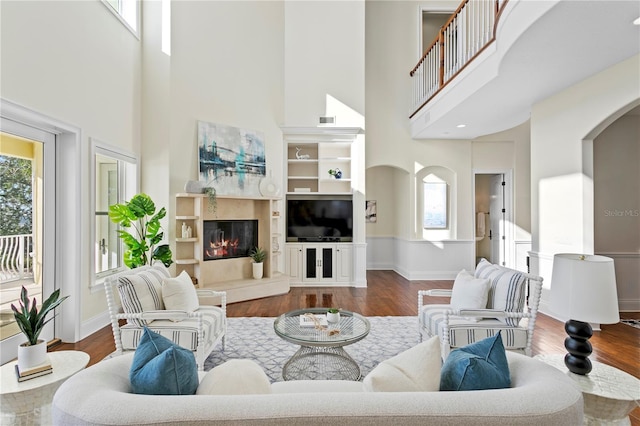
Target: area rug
<point>632,322</point>
<point>254,338</point>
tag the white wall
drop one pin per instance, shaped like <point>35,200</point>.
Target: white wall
<point>561,185</point>
<point>324,70</point>
<point>76,63</point>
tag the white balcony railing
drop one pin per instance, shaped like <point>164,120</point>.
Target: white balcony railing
<point>468,31</point>
<point>16,260</point>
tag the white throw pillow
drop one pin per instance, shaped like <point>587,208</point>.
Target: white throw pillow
<point>179,293</point>
<point>470,292</point>
<point>414,370</point>
<point>235,377</point>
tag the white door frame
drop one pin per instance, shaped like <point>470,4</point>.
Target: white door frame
<point>71,214</point>
<point>509,217</point>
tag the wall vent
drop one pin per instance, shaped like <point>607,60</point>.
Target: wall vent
<point>327,121</point>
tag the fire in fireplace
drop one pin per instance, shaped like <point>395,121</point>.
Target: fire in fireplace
<point>226,239</point>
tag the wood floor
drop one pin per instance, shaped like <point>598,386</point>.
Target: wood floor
<point>388,294</point>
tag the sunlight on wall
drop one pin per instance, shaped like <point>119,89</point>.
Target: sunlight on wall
<point>345,115</point>
<point>166,27</point>
<point>564,215</point>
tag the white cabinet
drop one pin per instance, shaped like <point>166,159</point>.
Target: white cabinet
<point>293,262</point>
<point>319,263</point>
<point>344,263</point>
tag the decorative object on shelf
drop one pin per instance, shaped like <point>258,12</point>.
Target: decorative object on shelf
<point>336,173</point>
<point>300,156</point>
<point>275,213</point>
<point>258,255</point>
<point>142,245</point>
<point>193,187</point>
<point>185,232</point>
<point>231,158</point>
<point>213,199</point>
<point>583,289</point>
<point>333,315</point>
<point>275,246</point>
<point>31,322</point>
<point>268,187</point>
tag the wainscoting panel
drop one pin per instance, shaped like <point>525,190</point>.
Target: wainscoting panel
<point>421,260</point>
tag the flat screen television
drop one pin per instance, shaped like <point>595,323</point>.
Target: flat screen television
<point>319,218</point>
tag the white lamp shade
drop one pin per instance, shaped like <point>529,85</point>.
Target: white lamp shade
<point>583,288</point>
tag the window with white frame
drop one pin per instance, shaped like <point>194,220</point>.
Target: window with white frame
<point>115,175</point>
<point>127,11</point>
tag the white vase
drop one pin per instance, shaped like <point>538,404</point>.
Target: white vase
<point>30,356</point>
<point>258,270</point>
<point>333,317</point>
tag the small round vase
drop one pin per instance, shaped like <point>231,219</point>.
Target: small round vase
<point>30,356</point>
<point>333,317</point>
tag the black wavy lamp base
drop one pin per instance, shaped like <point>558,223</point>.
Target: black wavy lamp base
<point>578,346</point>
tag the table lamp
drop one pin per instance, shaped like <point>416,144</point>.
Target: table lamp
<point>583,288</point>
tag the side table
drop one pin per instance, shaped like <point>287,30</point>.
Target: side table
<point>609,394</point>
<point>29,402</point>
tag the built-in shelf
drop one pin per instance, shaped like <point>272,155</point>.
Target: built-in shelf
<point>186,240</point>
<point>187,218</point>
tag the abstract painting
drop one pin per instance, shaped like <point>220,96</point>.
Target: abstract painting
<point>232,160</point>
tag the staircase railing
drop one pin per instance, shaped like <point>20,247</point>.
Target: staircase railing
<point>16,261</point>
<point>469,30</point>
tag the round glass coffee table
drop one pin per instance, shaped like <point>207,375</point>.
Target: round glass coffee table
<point>321,355</point>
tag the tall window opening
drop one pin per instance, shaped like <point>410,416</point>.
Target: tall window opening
<point>116,180</point>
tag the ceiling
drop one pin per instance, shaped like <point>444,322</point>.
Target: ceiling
<point>561,45</point>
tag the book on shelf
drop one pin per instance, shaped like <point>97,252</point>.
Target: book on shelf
<point>21,376</point>
<point>311,320</point>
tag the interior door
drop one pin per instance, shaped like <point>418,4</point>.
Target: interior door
<point>497,213</point>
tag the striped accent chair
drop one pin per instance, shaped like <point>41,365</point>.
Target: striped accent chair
<point>135,296</point>
<point>507,310</point>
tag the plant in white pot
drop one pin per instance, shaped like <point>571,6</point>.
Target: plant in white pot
<point>31,322</point>
<point>258,255</point>
<point>333,315</point>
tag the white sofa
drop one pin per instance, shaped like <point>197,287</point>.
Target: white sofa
<point>540,395</point>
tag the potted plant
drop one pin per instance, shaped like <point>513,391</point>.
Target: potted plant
<point>333,315</point>
<point>31,322</point>
<point>258,255</point>
<point>142,244</point>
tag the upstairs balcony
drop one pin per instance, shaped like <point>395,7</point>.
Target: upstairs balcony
<point>494,59</point>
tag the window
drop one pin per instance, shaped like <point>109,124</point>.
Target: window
<point>435,205</point>
<point>115,181</point>
<point>126,11</point>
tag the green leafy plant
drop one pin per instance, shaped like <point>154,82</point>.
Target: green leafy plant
<point>29,319</point>
<point>333,310</point>
<point>258,255</point>
<point>140,214</point>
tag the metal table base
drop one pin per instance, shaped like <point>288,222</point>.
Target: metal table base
<point>321,363</point>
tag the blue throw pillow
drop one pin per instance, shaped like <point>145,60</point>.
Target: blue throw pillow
<point>160,367</point>
<point>480,365</point>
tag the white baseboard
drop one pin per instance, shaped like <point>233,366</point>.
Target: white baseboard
<point>94,324</point>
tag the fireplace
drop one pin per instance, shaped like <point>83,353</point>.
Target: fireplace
<point>227,239</point>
